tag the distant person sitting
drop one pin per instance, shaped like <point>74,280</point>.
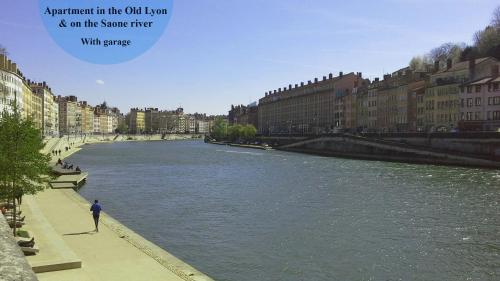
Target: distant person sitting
<point>70,167</point>
<point>78,169</point>
<point>59,162</point>
<point>96,211</point>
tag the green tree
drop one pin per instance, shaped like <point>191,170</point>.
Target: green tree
<point>235,132</point>
<point>249,131</point>
<point>220,128</point>
<point>420,63</point>
<point>23,168</point>
<point>122,128</point>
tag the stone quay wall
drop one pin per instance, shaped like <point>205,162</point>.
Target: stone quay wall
<point>13,264</point>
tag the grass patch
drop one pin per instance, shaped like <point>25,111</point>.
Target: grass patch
<point>23,234</point>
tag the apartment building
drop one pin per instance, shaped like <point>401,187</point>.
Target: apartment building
<point>442,97</point>
<point>137,124</point>
<point>315,107</point>
<point>70,115</point>
<point>50,108</point>
<point>11,85</point>
<point>480,101</point>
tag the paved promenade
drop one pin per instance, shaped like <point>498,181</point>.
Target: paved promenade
<point>115,253</point>
<point>63,228</point>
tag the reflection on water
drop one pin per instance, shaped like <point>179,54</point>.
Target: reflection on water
<point>239,214</point>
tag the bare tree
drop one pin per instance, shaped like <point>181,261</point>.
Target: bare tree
<point>487,39</point>
<point>495,21</point>
<point>3,50</point>
<point>447,51</point>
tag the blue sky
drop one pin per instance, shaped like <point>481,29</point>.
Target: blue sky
<point>215,53</point>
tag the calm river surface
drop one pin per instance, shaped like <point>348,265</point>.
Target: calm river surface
<point>250,215</point>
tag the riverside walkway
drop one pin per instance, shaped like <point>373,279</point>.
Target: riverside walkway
<point>114,253</point>
<point>62,225</point>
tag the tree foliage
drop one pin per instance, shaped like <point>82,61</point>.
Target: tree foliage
<point>220,128</point>
<point>241,132</point>
<point>249,132</point>
<point>23,168</point>
<point>486,44</point>
<point>487,39</point>
<point>420,63</point>
<point>122,128</point>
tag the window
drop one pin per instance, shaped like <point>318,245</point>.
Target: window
<point>490,100</point>
<point>462,102</point>
<point>495,86</point>
<point>496,115</point>
<point>478,102</point>
<point>469,116</point>
<point>469,102</point>
<point>477,115</point>
<point>496,100</point>
<point>478,88</point>
<point>469,89</point>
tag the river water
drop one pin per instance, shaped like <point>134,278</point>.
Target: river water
<point>249,215</point>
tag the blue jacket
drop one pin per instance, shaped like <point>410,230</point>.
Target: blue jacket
<point>96,209</point>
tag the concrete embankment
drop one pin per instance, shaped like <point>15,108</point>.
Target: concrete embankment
<point>13,265</point>
<point>114,253</point>
<point>371,149</point>
<point>68,145</point>
<point>243,145</point>
<point>63,228</point>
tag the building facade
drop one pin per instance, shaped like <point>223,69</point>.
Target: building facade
<point>442,97</point>
<point>87,117</point>
<point>480,102</point>
<point>11,85</point>
<point>137,124</point>
<point>315,107</point>
<point>32,105</point>
<point>70,115</point>
<point>50,108</point>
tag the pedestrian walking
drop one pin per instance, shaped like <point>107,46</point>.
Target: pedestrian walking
<point>96,211</point>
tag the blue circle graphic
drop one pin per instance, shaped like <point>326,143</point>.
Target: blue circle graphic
<point>106,31</point>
